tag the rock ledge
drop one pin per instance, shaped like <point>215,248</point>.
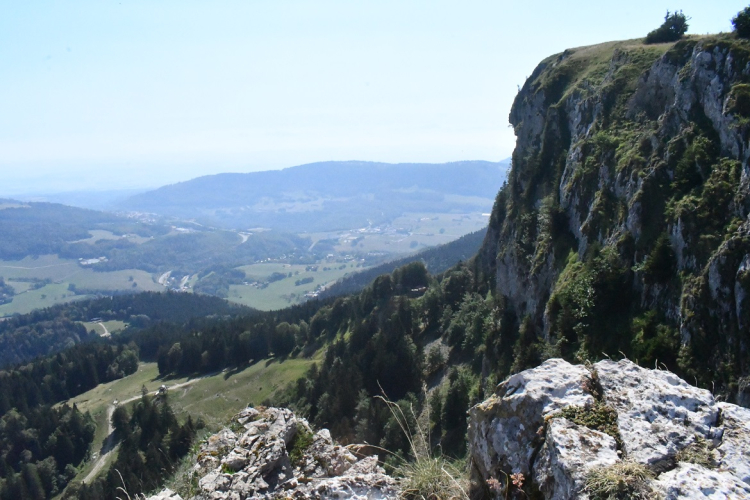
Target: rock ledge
<point>271,453</point>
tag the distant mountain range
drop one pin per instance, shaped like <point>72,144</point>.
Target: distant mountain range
<point>327,196</point>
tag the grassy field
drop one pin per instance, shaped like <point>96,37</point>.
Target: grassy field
<point>61,273</point>
<point>113,326</point>
<point>215,398</point>
<point>285,292</point>
<point>409,233</point>
<point>43,267</point>
<point>103,234</point>
<point>219,397</point>
<point>48,295</point>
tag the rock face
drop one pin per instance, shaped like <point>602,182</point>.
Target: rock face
<point>549,424</point>
<point>621,148</point>
<point>274,454</point>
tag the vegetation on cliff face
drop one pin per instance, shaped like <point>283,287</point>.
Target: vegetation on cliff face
<point>623,225</point>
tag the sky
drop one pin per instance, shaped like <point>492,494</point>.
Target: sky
<point>132,94</point>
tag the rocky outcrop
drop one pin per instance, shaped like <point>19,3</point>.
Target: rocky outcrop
<point>557,424</point>
<point>271,453</point>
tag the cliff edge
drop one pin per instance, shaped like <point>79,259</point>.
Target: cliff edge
<point>624,224</point>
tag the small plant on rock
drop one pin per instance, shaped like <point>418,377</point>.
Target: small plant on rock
<point>698,452</point>
<point>302,440</point>
<point>619,481</point>
<point>599,416</point>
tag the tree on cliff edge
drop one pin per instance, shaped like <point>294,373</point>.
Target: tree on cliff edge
<point>741,23</point>
<point>675,25</point>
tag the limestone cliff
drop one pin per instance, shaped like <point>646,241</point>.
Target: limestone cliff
<point>624,224</point>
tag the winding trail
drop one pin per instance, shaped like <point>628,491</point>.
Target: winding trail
<point>109,443</point>
<point>106,332</point>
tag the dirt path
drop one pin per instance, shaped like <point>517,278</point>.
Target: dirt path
<point>106,332</point>
<point>38,267</point>
<point>109,443</point>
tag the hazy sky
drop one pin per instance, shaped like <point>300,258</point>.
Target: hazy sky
<point>116,94</point>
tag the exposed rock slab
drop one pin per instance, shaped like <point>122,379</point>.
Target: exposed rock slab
<point>690,481</point>
<point>734,451</point>
<point>504,426</point>
<point>662,423</point>
<point>569,451</point>
<point>658,413</point>
<point>258,465</point>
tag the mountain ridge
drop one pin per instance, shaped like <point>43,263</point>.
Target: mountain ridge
<point>303,198</point>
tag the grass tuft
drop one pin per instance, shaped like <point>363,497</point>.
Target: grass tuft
<point>302,440</point>
<point>698,452</point>
<point>427,477</point>
<point>620,481</point>
<point>432,478</point>
<point>599,416</point>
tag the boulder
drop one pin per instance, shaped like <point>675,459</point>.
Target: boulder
<point>568,452</point>
<point>504,426</point>
<point>545,428</point>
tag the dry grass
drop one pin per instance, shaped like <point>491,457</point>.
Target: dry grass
<point>698,452</point>
<point>620,481</point>
<point>427,477</point>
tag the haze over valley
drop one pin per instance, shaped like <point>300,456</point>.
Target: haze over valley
<point>265,240</point>
<point>396,250</point>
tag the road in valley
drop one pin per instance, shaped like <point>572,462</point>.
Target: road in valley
<point>109,443</point>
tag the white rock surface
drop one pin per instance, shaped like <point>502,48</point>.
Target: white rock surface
<point>257,464</point>
<point>658,416</point>
<point>734,450</point>
<point>690,481</point>
<point>658,412</point>
<point>569,451</point>
<point>166,494</point>
<point>504,426</point>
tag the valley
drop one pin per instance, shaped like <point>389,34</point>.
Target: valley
<point>77,253</point>
<point>571,324</point>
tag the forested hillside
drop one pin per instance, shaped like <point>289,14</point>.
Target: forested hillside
<point>49,228</point>
<point>50,330</point>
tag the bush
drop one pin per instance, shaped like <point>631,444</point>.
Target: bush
<point>675,25</point>
<point>741,23</point>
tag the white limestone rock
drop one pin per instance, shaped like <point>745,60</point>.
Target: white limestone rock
<point>569,451</point>
<point>658,412</point>
<point>734,450</point>
<point>658,417</point>
<point>258,466</point>
<point>690,481</point>
<point>165,494</point>
<point>503,428</point>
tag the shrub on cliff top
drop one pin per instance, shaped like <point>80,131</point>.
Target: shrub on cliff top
<point>741,23</point>
<point>675,25</point>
